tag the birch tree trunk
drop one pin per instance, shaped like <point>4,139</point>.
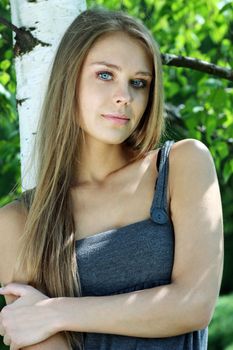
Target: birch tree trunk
<point>45,21</point>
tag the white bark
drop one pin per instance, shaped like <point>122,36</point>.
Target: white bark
<point>50,20</point>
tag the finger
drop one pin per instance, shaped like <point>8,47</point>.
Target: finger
<point>14,347</point>
<point>16,289</point>
<point>2,331</point>
<point>7,340</point>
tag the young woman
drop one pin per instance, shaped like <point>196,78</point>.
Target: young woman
<point>119,246</point>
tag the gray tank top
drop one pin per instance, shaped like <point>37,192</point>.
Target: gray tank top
<point>134,257</point>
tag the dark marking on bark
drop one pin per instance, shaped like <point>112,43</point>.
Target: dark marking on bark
<point>24,40</point>
<point>20,102</point>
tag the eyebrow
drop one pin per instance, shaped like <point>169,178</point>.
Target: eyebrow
<point>114,66</point>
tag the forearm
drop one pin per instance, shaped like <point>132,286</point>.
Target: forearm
<point>57,341</point>
<point>157,312</point>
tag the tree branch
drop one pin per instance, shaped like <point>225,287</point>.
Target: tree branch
<point>25,42</point>
<point>196,64</point>
<point>9,25</point>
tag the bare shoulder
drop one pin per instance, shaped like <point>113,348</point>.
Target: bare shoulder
<point>12,223</point>
<point>14,209</point>
<point>188,150</point>
<point>12,220</point>
<point>191,161</point>
<point>193,183</point>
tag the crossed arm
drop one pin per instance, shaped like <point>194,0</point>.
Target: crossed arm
<point>185,305</point>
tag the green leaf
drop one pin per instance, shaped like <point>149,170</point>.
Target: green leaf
<point>4,78</point>
<point>230,347</point>
<point>228,170</point>
<point>5,64</point>
<point>222,149</point>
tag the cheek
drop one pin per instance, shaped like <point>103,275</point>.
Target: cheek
<point>94,93</point>
<point>87,97</point>
<point>141,103</point>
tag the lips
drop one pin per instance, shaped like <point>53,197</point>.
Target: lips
<point>117,116</point>
<point>116,119</point>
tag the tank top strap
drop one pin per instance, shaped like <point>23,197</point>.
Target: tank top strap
<point>159,209</point>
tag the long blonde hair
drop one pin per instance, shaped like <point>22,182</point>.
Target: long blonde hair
<point>48,244</point>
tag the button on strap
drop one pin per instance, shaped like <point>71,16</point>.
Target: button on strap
<point>160,216</point>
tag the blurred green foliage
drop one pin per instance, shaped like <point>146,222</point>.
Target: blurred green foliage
<point>202,104</point>
<point>9,127</point>
<point>221,329</point>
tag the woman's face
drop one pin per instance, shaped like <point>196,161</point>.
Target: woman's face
<point>113,88</point>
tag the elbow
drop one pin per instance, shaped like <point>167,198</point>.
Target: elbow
<point>202,312</point>
<point>207,313</point>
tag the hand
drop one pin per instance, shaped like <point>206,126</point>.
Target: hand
<point>28,320</point>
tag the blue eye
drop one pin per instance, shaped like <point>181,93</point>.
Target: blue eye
<point>139,83</point>
<point>104,75</point>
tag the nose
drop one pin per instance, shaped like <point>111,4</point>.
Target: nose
<point>122,95</point>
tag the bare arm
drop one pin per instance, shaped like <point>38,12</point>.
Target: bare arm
<point>58,341</point>
<point>186,304</point>
<point>12,221</point>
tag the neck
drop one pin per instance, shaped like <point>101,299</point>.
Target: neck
<point>98,161</point>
